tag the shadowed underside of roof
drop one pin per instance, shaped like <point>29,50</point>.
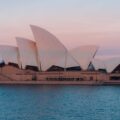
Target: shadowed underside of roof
<point>117,69</point>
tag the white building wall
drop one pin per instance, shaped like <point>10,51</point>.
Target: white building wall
<point>28,52</point>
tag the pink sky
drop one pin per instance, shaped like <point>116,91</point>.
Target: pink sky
<point>74,22</point>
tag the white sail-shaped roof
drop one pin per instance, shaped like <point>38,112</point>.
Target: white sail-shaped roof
<point>28,52</point>
<point>50,50</point>
<point>112,63</point>
<point>69,62</point>
<point>9,54</point>
<point>98,64</point>
<point>84,55</point>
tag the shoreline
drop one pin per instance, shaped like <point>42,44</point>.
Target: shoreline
<point>88,83</point>
<point>48,82</point>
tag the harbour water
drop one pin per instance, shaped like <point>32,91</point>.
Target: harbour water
<point>59,102</point>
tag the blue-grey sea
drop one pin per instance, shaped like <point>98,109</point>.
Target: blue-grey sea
<point>59,102</point>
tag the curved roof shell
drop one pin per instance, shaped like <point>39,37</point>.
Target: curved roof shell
<point>9,54</point>
<point>50,50</point>
<point>84,55</point>
<point>98,64</point>
<point>28,52</point>
<point>112,63</point>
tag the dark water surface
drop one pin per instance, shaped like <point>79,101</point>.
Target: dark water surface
<point>59,102</point>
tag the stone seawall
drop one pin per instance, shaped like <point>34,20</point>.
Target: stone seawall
<point>49,82</point>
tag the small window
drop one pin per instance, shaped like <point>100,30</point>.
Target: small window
<point>91,78</point>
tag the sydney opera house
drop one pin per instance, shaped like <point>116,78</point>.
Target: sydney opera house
<point>47,59</point>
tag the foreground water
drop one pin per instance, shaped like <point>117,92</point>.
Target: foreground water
<point>45,102</point>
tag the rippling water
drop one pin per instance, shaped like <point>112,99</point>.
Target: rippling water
<point>59,102</point>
